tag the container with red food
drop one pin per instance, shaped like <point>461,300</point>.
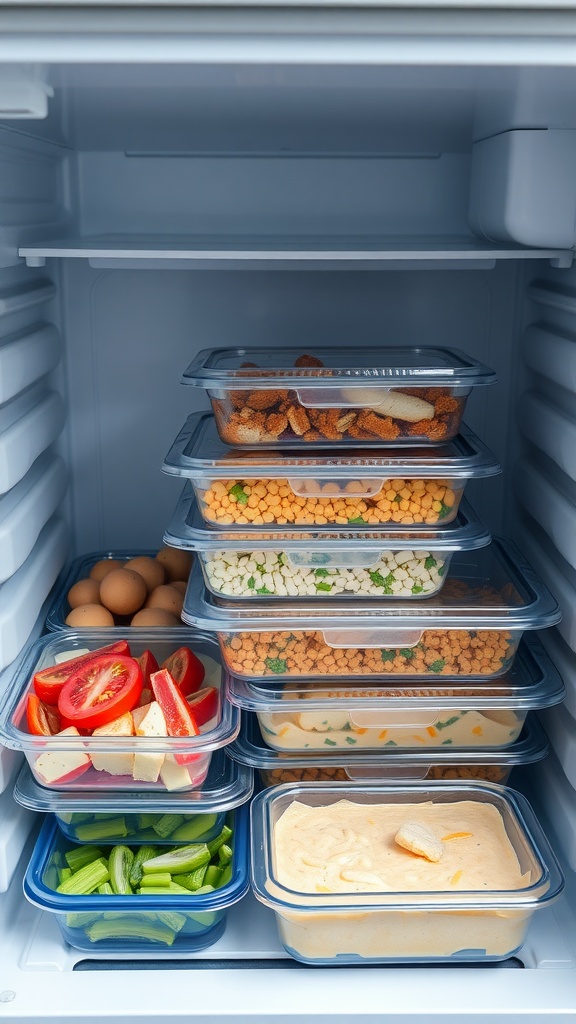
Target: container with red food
<point>96,712</point>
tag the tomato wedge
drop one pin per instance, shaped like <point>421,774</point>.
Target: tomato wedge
<point>204,704</point>
<point>49,681</point>
<point>42,720</point>
<point>179,718</point>
<point>100,691</point>
<point>148,664</point>
<point>186,670</point>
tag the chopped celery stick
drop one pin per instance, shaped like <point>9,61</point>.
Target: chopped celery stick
<point>178,861</point>
<point>63,874</point>
<point>226,876</point>
<point>194,879</point>
<point>195,828</point>
<point>120,864</point>
<point>212,876</point>
<point>204,889</point>
<point>105,889</point>
<point>172,919</point>
<point>206,919</point>
<point>159,879</point>
<point>144,821</point>
<point>78,819</point>
<point>142,853</point>
<point>129,928</point>
<point>111,828</point>
<point>86,879</point>
<point>224,855</point>
<point>81,920</point>
<point>167,824</point>
<point>81,855</point>
<point>215,844</point>
<point>164,890</point>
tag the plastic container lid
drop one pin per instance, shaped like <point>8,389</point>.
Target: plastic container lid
<point>249,748</point>
<point>494,588</point>
<point>328,545</point>
<point>198,453</point>
<point>532,683</point>
<point>227,785</point>
<point>356,367</point>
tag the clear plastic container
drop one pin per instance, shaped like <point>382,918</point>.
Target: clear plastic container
<point>410,487</point>
<point>80,569</point>
<point>334,566</point>
<point>471,630</point>
<point>303,717</point>
<point>391,764</point>
<point>273,397</point>
<point>170,924</point>
<point>424,911</point>
<point>159,756</point>
<point>143,817</point>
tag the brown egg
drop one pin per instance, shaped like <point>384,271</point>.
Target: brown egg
<point>166,597</point>
<point>151,571</point>
<point>155,617</point>
<point>84,592</point>
<point>89,615</point>
<point>101,569</point>
<point>180,585</point>
<point>123,591</point>
<point>177,563</point>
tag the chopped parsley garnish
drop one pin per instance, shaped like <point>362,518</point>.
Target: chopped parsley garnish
<point>276,665</point>
<point>251,584</point>
<point>326,587</point>
<point>388,655</point>
<point>321,572</point>
<point>438,665</point>
<point>430,562</point>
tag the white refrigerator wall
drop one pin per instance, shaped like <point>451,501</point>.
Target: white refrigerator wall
<point>232,163</point>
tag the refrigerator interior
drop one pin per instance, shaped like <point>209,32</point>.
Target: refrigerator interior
<point>160,209</point>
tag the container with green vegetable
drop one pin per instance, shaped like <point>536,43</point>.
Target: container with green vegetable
<point>130,898</point>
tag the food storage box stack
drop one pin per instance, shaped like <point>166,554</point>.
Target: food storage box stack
<point>372,635</point>
<point>145,843</point>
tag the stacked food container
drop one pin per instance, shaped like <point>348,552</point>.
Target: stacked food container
<point>373,636</point>
<point>145,843</point>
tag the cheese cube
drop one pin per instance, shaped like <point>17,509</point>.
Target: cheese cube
<point>108,761</point>
<point>174,776</point>
<point>61,766</point>
<point>148,721</point>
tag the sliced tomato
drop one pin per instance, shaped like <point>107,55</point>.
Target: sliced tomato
<point>100,691</point>
<point>204,704</point>
<point>148,664</point>
<point>186,670</point>
<point>49,681</point>
<point>179,719</point>
<point>41,718</point>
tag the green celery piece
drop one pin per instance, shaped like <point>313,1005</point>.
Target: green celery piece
<point>63,874</point>
<point>144,821</point>
<point>161,878</point>
<point>163,890</point>
<point>110,828</point>
<point>212,876</point>
<point>81,855</point>
<point>79,819</point>
<point>224,855</point>
<point>226,876</point>
<point>86,879</point>
<point>142,853</point>
<point>204,889</point>
<point>206,919</point>
<point>195,828</point>
<point>172,919</point>
<point>105,889</point>
<point>168,824</point>
<point>194,879</point>
<point>120,864</point>
<point>215,844</point>
<point>81,920</point>
<point>129,928</point>
<point>178,861</point>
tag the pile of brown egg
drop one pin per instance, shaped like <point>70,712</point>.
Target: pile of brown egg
<point>142,591</point>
